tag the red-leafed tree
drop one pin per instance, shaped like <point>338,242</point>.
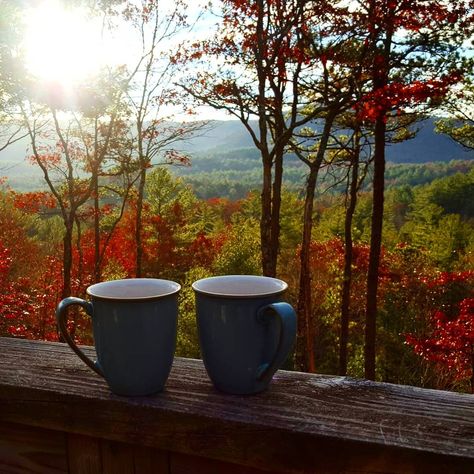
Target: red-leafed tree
<point>15,302</point>
<point>33,202</point>
<point>22,265</point>
<point>255,67</point>
<point>448,341</point>
<point>203,250</point>
<point>416,47</point>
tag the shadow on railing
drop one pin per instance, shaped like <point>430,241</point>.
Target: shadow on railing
<point>58,416</point>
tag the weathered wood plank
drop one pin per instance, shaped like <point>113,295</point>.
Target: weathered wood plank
<point>117,458</point>
<point>25,449</point>
<point>88,455</point>
<point>185,464</point>
<point>148,460</point>
<point>84,456</point>
<point>303,420</point>
<point>122,458</point>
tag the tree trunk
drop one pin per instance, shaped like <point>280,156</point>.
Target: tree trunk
<point>275,212</point>
<point>138,225</point>
<point>472,368</point>
<point>67,259</point>
<point>266,217</point>
<point>380,80</point>
<point>348,252</point>
<point>375,248</point>
<point>67,265</point>
<point>95,191</point>
<point>305,335</point>
<point>80,253</point>
<point>266,242</point>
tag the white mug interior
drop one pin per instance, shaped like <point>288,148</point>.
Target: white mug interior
<point>133,289</point>
<point>243,286</point>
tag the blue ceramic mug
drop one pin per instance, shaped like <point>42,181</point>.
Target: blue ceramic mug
<point>245,330</point>
<point>134,326</point>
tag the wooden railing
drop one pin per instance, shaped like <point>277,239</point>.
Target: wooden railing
<point>58,416</point>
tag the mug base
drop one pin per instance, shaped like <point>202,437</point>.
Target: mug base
<point>234,391</point>
<point>136,393</point>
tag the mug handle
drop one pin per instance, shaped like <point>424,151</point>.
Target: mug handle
<point>287,317</point>
<point>61,318</point>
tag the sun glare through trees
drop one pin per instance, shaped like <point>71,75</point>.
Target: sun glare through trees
<point>63,45</point>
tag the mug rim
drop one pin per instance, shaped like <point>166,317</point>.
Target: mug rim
<point>173,289</point>
<point>283,286</point>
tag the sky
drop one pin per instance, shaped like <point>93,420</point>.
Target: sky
<point>65,46</point>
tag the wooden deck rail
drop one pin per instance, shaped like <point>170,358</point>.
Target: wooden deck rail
<point>58,416</point>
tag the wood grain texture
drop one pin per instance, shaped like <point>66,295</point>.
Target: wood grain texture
<point>29,450</point>
<point>148,460</point>
<point>84,455</point>
<point>186,464</point>
<point>122,458</point>
<point>117,458</point>
<point>303,423</point>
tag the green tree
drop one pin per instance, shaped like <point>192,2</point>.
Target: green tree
<point>163,190</point>
<point>398,204</point>
<point>460,125</point>
<point>240,254</point>
<point>440,219</point>
<point>187,343</point>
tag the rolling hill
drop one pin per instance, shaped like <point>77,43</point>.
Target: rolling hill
<point>227,146</point>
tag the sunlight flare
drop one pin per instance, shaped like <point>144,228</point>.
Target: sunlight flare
<point>62,45</point>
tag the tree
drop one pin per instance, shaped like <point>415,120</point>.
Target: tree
<point>22,268</point>
<point>429,47</point>
<point>16,226</point>
<point>240,253</point>
<point>154,134</point>
<point>438,220</point>
<point>10,69</point>
<point>163,190</point>
<point>450,340</point>
<point>460,125</point>
<point>71,167</point>
<point>252,68</point>
<point>101,127</point>
<point>14,301</point>
<point>337,86</point>
<point>354,180</point>
<point>187,341</point>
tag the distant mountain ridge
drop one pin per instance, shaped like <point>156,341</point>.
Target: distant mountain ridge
<point>225,143</point>
<point>426,146</point>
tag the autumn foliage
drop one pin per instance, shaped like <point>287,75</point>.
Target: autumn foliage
<point>449,339</point>
<point>423,309</point>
